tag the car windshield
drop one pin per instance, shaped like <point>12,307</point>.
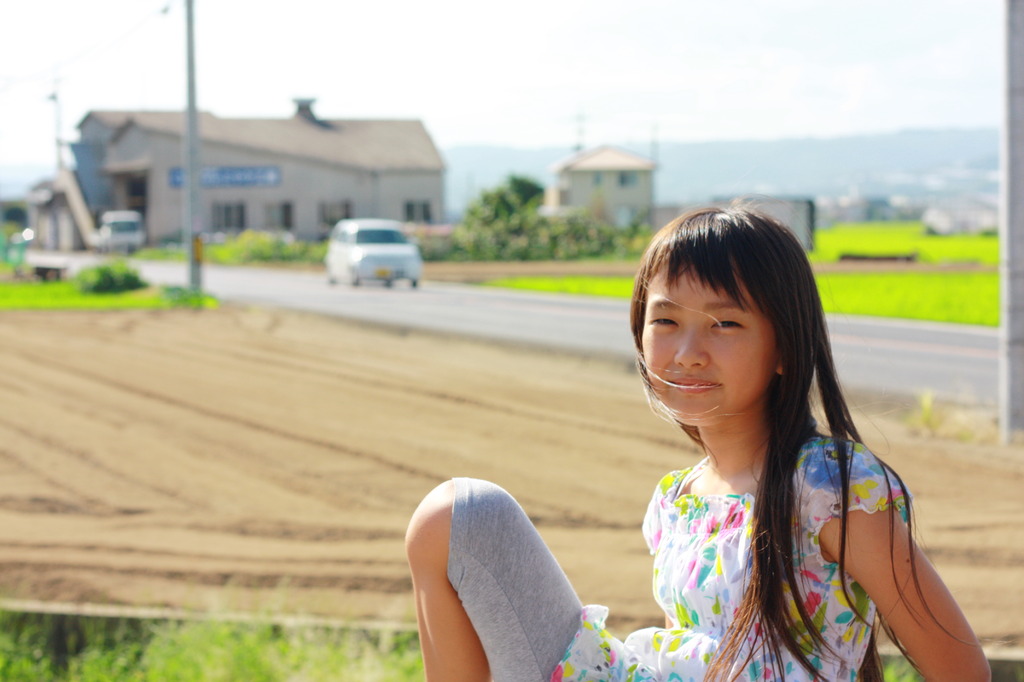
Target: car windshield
<point>379,237</point>
<point>124,226</point>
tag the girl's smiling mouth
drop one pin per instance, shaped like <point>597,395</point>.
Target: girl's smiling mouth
<point>691,385</point>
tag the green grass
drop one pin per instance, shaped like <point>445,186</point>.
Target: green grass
<point>902,238</point>
<point>955,297</point>
<point>66,296</point>
<point>88,649</point>
<point>249,247</point>
<point>95,650</point>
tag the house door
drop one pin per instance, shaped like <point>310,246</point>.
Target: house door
<point>135,194</point>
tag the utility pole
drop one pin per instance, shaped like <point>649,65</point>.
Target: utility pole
<point>1011,233</point>
<point>55,98</point>
<point>193,217</point>
<point>53,237</point>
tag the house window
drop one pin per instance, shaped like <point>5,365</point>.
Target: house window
<point>628,178</point>
<point>598,179</point>
<point>330,212</point>
<point>417,212</point>
<point>279,216</point>
<point>228,216</point>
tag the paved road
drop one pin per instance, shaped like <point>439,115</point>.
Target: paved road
<point>892,357</point>
<point>901,358</point>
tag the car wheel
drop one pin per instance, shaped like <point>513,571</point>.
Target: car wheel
<point>389,283</point>
<point>354,278</point>
<point>414,283</point>
<point>331,279</point>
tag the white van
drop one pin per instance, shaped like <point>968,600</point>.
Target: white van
<point>363,249</point>
<point>119,231</point>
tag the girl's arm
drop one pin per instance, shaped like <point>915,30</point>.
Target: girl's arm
<point>935,632</point>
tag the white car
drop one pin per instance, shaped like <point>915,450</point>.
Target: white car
<point>364,249</point>
<point>119,231</point>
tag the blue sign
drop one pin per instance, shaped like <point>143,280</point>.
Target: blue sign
<point>232,176</point>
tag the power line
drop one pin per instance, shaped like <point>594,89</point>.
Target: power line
<point>51,71</point>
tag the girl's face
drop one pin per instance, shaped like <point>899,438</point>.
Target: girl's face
<point>710,361</point>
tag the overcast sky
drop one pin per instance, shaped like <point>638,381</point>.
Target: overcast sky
<point>518,73</point>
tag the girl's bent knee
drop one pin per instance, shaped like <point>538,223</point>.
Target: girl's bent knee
<point>429,531</point>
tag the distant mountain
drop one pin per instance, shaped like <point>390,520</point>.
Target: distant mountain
<point>914,163</point>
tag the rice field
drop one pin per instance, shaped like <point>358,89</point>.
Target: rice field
<point>955,295</point>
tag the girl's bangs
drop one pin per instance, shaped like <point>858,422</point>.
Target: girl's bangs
<point>702,251</point>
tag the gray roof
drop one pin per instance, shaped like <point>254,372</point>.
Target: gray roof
<point>375,144</point>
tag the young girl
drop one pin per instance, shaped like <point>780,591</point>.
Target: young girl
<point>774,557</point>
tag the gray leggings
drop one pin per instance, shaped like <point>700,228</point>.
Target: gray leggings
<point>520,603</point>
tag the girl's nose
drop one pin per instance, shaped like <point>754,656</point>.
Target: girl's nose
<point>691,352</point>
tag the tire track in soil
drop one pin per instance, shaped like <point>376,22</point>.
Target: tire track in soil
<point>127,550</point>
<point>204,411</point>
<point>466,401</point>
<point>258,580</point>
<point>283,357</point>
<point>85,458</point>
<point>543,512</point>
<point>83,402</point>
<point>92,505</point>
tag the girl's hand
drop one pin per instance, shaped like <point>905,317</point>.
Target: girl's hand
<point>928,620</point>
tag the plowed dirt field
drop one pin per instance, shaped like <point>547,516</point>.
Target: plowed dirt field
<point>268,461</point>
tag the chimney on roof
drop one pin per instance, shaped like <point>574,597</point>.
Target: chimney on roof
<point>304,109</point>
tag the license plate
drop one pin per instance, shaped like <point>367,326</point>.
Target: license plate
<point>382,272</point>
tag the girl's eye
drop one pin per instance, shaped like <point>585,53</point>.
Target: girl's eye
<point>662,321</point>
<point>727,324</point>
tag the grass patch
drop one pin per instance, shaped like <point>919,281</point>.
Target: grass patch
<point>955,297</point>
<point>66,296</point>
<point>84,649</point>
<point>249,247</point>
<point>902,238</point>
<point>90,649</point>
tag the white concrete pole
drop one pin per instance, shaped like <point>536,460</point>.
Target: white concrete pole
<point>1011,233</point>
<point>193,217</point>
<point>55,98</point>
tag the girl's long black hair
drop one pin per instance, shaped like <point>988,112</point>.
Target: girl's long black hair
<point>736,250</point>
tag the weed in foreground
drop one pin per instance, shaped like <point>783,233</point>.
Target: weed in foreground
<point>70,649</point>
<point>957,422</point>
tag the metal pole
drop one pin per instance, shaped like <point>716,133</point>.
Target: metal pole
<point>1011,233</point>
<point>193,208</point>
<point>55,97</point>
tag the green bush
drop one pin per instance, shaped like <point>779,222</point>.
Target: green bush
<point>505,224</point>
<point>184,297</point>
<point>110,278</point>
<point>264,247</point>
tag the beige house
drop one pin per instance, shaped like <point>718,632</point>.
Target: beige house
<point>297,175</point>
<point>613,184</point>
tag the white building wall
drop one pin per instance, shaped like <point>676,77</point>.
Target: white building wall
<point>620,204</point>
<point>303,183</point>
<point>399,187</point>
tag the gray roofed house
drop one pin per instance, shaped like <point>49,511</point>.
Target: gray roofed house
<point>298,175</point>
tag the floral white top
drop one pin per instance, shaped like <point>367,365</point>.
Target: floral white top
<point>701,548</point>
